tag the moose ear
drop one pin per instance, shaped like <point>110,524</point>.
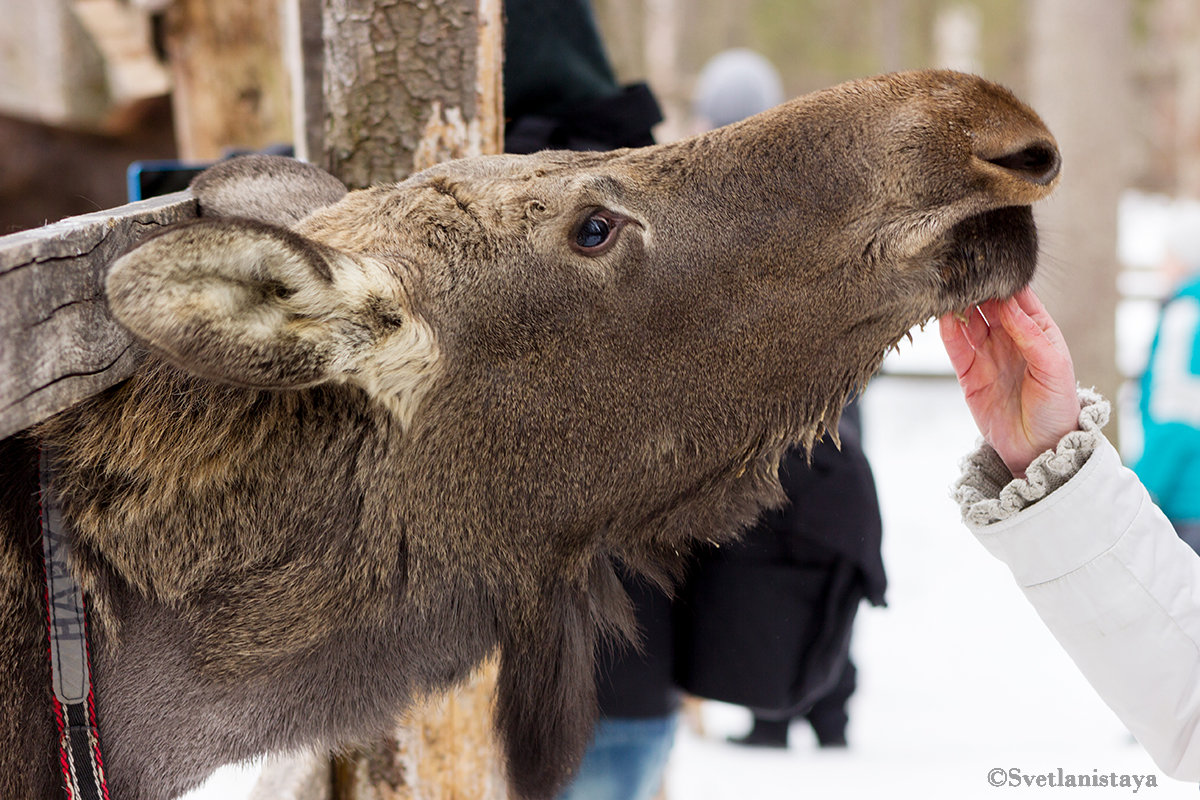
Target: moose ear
<point>259,305</point>
<point>273,189</point>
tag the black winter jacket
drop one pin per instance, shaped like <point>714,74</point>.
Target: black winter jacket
<point>764,623</point>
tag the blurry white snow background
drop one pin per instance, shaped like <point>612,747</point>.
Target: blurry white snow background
<point>957,677</point>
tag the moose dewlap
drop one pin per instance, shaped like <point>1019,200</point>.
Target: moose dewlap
<point>377,436</point>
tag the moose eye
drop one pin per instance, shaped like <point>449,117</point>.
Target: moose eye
<point>596,233</point>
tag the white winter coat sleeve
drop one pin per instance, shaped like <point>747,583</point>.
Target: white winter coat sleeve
<point>1105,571</point>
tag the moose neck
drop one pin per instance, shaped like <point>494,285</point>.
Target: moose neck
<point>247,479</point>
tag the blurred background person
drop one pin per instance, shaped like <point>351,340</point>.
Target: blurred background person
<point>766,622</point>
<point>1169,405</point>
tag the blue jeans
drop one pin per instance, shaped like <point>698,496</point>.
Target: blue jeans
<point>1189,531</point>
<point>625,761</point>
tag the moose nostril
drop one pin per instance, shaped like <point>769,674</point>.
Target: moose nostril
<point>1038,163</point>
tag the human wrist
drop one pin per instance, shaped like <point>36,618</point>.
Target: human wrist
<point>986,494</point>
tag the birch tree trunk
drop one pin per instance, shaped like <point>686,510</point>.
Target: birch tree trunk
<point>1187,97</point>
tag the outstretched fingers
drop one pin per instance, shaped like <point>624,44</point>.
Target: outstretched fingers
<point>1037,338</point>
<point>1031,304</point>
<point>1049,402</point>
<point>1016,374</point>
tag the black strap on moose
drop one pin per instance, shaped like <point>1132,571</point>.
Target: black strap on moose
<point>66,622</point>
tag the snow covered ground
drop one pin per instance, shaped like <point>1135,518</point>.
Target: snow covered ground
<point>957,676</point>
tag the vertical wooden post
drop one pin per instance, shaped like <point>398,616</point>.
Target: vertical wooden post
<point>407,84</point>
<point>231,84</point>
<point>443,749</point>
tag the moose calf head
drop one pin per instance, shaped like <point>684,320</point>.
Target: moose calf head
<point>523,372</point>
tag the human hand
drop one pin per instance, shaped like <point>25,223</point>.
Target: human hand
<point>1016,374</point>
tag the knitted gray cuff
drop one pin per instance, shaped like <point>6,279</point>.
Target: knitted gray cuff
<point>988,493</point>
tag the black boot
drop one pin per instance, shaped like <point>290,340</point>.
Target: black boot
<point>765,733</point>
<point>828,716</point>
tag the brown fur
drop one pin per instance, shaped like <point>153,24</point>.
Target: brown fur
<point>364,452</point>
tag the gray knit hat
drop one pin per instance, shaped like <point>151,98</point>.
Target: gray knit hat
<point>734,85</point>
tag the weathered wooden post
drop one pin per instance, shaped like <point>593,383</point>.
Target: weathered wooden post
<point>58,345</point>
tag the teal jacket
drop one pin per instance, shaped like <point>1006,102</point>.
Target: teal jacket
<point>1170,409</point>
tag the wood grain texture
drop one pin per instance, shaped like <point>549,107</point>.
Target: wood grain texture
<point>302,776</point>
<point>58,343</point>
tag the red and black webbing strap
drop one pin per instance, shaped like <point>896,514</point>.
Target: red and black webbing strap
<point>70,669</point>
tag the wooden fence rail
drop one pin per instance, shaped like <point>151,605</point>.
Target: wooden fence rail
<point>58,344</point>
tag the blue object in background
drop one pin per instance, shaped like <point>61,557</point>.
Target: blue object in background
<point>144,179</point>
<point>154,178</point>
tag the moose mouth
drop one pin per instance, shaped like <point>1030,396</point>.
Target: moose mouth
<point>992,255</point>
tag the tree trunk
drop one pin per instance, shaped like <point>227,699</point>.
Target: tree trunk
<point>231,85</point>
<point>407,84</point>
<point>1187,98</point>
<point>662,66</point>
<point>1079,82</point>
<point>443,749</point>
